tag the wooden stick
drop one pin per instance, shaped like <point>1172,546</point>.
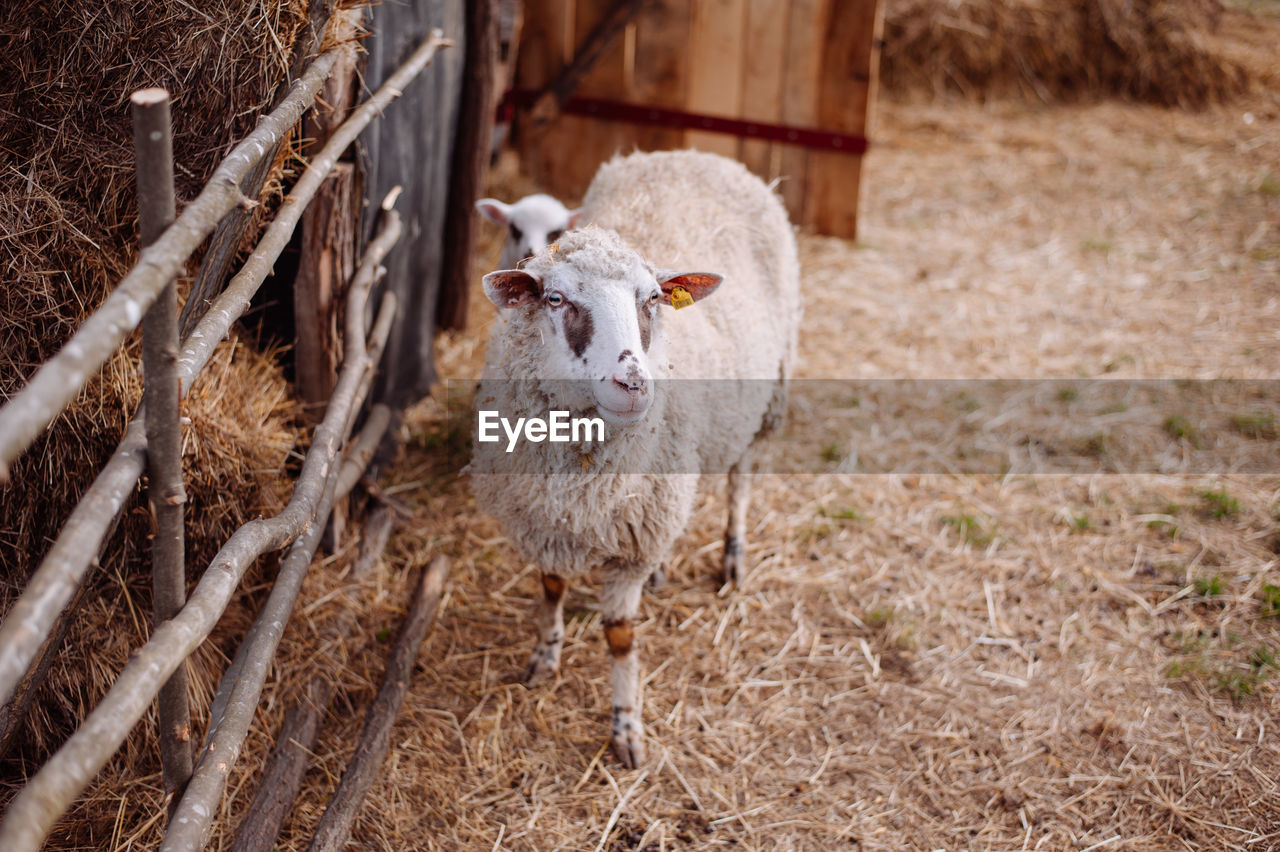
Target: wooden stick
<point>357,457</point>
<point>153,156</point>
<point>281,777</point>
<point>335,825</point>
<point>60,378</point>
<point>32,617</point>
<point>241,685</point>
<point>189,827</point>
<point>32,813</point>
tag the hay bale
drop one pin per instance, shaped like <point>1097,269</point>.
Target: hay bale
<point>67,234</point>
<point>1186,53</point>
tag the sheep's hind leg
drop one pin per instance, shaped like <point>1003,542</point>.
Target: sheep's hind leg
<point>734,563</point>
<point>545,659</point>
<point>621,603</point>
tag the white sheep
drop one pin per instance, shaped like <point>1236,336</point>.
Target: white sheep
<point>588,327</point>
<point>532,223</point>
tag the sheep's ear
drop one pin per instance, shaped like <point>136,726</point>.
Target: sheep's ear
<point>494,210</point>
<point>510,288</point>
<point>574,217</point>
<point>694,285</point>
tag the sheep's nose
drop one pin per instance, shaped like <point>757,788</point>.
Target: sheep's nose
<point>632,383</point>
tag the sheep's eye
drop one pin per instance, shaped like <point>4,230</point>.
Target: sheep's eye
<point>554,235</point>
<point>654,297</point>
<point>516,233</point>
<point>555,300</point>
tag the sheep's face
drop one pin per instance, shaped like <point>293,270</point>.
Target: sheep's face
<point>598,310</point>
<point>532,223</point>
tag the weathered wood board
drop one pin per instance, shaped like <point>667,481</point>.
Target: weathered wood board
<point>808,64</point>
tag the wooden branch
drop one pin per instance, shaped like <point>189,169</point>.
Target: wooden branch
<point>51,791</point>
<point>60,378</point>
<point>189,827</point>
<point>153,157</point>
<point>470,160</point>
<point>357,457</point>
<point>63,569</point>
<point>32,813</point>
<point>241,686</point>
<point>225,244</point>
<point>335,824</point>
<point>281,777</point>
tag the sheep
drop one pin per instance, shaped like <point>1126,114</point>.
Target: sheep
<point>585,327</point>
<point>532,223</point>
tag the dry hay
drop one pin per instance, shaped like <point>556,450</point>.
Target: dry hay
<point>67,235</point>
<point>917,661</point>
<point>1185,53</point>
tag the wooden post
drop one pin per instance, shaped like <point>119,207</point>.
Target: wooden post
<point>846,88</point>
<point>764,44</point>
<point>659,71</point>
<point>327,258</point>
<point>715,56</point>
<point>470,159</point>
<point>153,153</point>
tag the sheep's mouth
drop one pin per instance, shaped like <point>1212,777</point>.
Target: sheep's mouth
<point>624,417</point>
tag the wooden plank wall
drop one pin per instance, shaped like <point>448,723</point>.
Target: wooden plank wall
<point>412,147</point>
<point>807,63</point>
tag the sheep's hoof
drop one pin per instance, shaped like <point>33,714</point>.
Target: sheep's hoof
<point>543,664</point>
<point>733,567</point>
<point>628,738</point>
<point>658,577</point>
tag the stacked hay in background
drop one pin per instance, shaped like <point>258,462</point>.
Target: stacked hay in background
<point>68,233</point>
<point>1186,53</point>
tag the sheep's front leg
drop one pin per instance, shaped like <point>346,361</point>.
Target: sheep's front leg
<point>545,659</point>
<point>621,603</point>
<point>734,563</point>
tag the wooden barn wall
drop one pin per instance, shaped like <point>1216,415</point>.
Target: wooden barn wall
<point>809,64</point>
<point>412,146</point>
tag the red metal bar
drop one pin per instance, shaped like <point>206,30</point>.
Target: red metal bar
<point>807,137</point>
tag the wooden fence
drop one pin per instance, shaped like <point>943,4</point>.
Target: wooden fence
<point>785,87</point>
<point>330,468</point>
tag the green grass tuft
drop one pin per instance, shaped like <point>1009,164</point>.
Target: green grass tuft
<point>1218,504</point>
<point>1270,604</point>
<point>1257,425</point>
<point>1209,587</point>
<point>1180,428</point>
<point>970,528</point>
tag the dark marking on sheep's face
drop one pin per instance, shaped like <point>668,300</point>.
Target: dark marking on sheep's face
<point>578,328</point>
<point>620,635</point>
<point>644,316</point>
<point>626,353</point>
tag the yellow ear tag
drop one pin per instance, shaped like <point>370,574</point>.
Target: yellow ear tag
<point>680,298</point>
